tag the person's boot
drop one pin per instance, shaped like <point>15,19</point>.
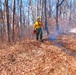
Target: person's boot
<point>37,39</point>
<point>41,40</point>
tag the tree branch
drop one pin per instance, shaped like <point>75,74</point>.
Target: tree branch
<point>60,3</point>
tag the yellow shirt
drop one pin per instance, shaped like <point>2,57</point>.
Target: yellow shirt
<point>38,24</point>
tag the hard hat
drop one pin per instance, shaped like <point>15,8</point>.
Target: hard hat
<point>38,17</point>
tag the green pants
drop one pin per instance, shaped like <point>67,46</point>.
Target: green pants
<point>38,33</point>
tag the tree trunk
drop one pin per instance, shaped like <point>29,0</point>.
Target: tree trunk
<point>36,8</point>
<point>13,15</point>
<point>2,22</point>
<point>57,25</point>
<point>7,17</point>
<point>45,15</point>
<point>57,9</point>
<point>20,23</point>
<point>50,8</point>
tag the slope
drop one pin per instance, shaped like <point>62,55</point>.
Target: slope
<point>30,57</point>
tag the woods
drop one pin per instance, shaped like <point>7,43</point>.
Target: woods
<point>37,37</point>
<point>17,17</point>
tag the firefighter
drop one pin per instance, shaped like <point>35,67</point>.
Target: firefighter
<point>38,27</point>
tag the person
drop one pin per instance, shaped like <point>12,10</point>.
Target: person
<point>38,27</point>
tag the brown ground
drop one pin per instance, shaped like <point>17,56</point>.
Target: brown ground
<point>68,41</point>
<point>30,57</point>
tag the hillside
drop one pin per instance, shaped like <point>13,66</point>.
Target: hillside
<point>30,57</point>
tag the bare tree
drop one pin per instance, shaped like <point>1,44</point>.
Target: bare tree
<point>13,16</point>
<point>45,15</point>
<point>24,14</point>
<point>7,19</point>
<point>58,4</point>
<point>1,20</point>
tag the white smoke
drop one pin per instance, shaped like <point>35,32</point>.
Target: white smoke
<point>72,30</point>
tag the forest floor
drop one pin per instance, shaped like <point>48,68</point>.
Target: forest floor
<point>31,57</point>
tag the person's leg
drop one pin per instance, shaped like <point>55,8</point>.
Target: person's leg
<point>40,34</point>
<point>37,34</point>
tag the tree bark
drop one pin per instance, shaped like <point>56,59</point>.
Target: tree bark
<point>45,15</point>
<point>13,15</point>
<point>57,9</point>
<point>7,17</point>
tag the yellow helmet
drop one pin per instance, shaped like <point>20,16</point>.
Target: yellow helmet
<point>38,17</point>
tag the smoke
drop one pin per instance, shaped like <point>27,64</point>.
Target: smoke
<point>53,36</point>
<point>73,30</point>
<point>55,32</point>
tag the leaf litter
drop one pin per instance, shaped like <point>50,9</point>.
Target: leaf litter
<point>31,57</point>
